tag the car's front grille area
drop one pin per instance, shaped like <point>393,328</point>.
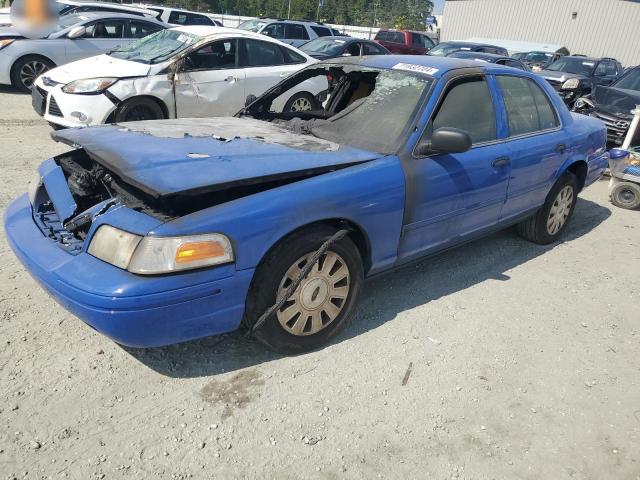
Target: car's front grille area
<point>44,94</point>
<point>54,109</point>
<point>616,127</point>
<point>51,226</point>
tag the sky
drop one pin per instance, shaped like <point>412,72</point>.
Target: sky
<point>438,5</point>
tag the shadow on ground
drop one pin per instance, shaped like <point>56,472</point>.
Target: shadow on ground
<point>10,90</point>
<point>383,299</point>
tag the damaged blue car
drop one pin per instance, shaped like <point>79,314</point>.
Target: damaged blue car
<point>160,232</point>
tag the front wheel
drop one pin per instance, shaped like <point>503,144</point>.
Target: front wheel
<point>322,304</point>
<point>548,223</point>
<point>137,109</point>
<point>626,195</point>
<point>25,71</point>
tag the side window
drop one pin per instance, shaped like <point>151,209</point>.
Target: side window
<point>179,18</point>
<point>213,56</point>
<point>275,30</point>
<point>514,64</point>
<point>371,49</point>
<point>141,29</point>
<point>194,19</point>
<point>416,40</point>
<point>428,42</point>
<point>321,31</point>
<point>262,54</point>
<point>382,36</point>
<point>295,31</point>
<point>291,57</point>
<point>397,37</point>
<point>528,108</point>
<point>105,29</point>
<point>468,105</point>
<point>601,70</point>
<point>353,49</point>
<point>610,68</point>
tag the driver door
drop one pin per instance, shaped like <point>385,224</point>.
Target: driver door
<point>210,81</point>
<point>100,37</point>
<point>453,196</point>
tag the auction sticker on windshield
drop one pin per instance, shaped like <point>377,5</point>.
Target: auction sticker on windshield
<point>415,68</point>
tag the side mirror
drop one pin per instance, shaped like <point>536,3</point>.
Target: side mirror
<point>445,140</point>
<point>250,99</point>
<point>77,32</point>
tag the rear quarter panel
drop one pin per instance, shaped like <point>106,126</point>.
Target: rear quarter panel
<point>370,195</point>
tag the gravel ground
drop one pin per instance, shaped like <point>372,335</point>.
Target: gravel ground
<point>500,359</point>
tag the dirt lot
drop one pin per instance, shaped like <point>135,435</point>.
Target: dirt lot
<point>501,359</point>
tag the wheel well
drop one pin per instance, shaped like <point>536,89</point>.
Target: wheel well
<point>160,103</point>
<point>579,169</point>
<point>356,234</point>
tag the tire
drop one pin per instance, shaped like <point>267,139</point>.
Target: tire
<point>301,102</point>
<point>547,224</point>
<point>324,301</point>
<point>26,69</point>
<point>626,195</point>
<point>137,109</point>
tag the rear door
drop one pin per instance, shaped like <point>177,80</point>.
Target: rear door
<point>211,82</point>
<point>267,63</point>
<point>452,196</point>
<point>100,37</point>
<point>537,144</point>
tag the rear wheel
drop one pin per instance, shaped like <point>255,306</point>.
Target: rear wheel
<point>137,109</point>
<point>626,195</point>
<point>26,69</point>
<point>548,223</point>
<point>301,102</point>
<point>322,304</point>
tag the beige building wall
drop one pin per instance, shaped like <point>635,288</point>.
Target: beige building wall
<point>608,28</point>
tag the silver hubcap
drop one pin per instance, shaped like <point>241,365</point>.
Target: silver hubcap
<point>301,105</point>
<point>320,297</point>
<point>30,71</point>
<point>560,210</point>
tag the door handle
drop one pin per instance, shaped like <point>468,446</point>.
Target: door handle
<point>560,148</point>
<point>500,162</point>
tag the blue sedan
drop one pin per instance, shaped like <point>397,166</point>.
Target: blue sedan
<point>159,232</point>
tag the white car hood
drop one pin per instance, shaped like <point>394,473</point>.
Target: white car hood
<point>99,66</point>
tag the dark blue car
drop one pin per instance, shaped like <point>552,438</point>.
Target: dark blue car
<point>164,231</point>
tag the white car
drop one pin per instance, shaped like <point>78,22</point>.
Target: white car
<point>181,72</point>
<point>75,36</point>
<point>5,17</point>
<point>179,17</point>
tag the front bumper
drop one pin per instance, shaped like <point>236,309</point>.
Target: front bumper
<point>69,110</point>
<point>133,310</point>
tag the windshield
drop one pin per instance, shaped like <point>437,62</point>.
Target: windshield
<point>324,46</point>
<point>444,49</point>
<point>538,57</point>
<point>575,65</point>
<point>252,25</point>
<point>67,21</point>
<point>630,81</point>
<point>155,48</point>
<point>351,102</point>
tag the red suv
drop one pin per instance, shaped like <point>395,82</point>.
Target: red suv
<point>404,42</point>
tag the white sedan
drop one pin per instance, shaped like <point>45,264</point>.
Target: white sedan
<point>194,71</point>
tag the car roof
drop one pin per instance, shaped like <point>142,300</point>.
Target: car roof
<point>287,20</point>
<point>226,32</point>
<point>589,59</point>
<point>469,44</point>
<point>122,6</point>
<point>439,65</point>
<point>84,16</point>
<point>488,56</point>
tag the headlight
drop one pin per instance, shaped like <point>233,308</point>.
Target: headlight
<point>89,85</point>
<point>571,84</point>
<point>170,254</point>
<point>113,245</point>
<point>6,42</point>
<point>154,255</point>
<point>34,185</point>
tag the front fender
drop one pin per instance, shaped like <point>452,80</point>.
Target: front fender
<point>371,195</point>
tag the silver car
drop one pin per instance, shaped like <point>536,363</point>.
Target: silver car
<point>75,37</point>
